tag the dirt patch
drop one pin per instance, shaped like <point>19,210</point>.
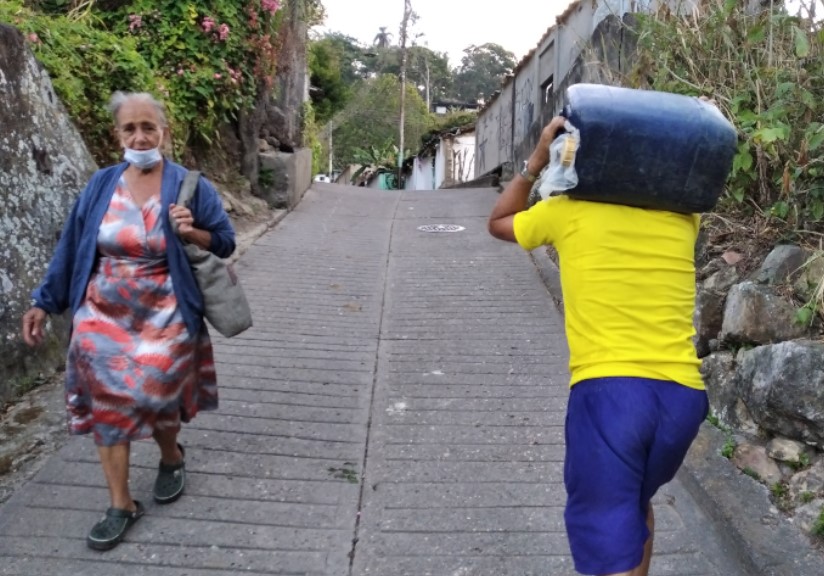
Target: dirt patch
<point>28,414</point>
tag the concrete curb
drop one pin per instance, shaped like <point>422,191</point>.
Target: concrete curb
<point>765,541</point>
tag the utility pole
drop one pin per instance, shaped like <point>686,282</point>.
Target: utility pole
<point>331,128</point>
<point>426,63</point>
<point>407,15</point>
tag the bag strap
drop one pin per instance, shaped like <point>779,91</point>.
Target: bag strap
<point>187,191</point>
<point>188,188</point>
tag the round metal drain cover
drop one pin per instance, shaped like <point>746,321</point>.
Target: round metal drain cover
<point>441,228</point>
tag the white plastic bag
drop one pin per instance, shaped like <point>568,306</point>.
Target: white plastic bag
<point>560,175</point>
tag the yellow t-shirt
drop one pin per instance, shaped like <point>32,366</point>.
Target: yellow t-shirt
<point>628,280</point>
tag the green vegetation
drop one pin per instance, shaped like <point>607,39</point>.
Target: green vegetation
<point>779,490</point>
<point>747,471</point>
<point>356,93</point>
<point>207,61</point>
<point>729,448</point>
<point>372,119</point>
<point>766,72</point>
<point>818,527</point>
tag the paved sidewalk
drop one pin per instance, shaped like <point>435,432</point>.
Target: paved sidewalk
<point>396,410</point>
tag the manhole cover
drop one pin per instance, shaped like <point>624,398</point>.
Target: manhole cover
<point>441,228</point>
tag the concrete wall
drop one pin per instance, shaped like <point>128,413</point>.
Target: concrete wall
<point>459,159</point>
<point>509,126</point>
<point>493,132</point>
<point>440,165</point>
<point>422,175</point>
<point>285,177</point>
<point>44,165</point>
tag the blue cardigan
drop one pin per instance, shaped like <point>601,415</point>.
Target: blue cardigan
<point>74,258</point>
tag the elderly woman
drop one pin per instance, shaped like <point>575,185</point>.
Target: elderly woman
<point>139,359</point>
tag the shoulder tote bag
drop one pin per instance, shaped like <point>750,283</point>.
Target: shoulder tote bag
<point>224,302</point>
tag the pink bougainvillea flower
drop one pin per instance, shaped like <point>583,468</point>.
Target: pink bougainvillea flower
<point>135,22</point>
<point>270,6</point>
<point>34,38</point>
<point>207,24</point>
<point>180,71</point>
<point>223,32</point>
<point>218,76</point>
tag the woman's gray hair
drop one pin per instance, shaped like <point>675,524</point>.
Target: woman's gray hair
<point>119,98</point>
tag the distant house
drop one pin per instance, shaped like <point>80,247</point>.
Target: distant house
<point>446,160</point>
<point>444,106</point>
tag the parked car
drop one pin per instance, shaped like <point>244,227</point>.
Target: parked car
<point>323,178</point>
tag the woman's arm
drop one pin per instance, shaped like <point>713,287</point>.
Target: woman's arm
<point>206,224</point>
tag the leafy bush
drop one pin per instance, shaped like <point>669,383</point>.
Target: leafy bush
<point>86,65</point>
<point>766,72</point>
<point>206,60</point>
<point>211,58</point>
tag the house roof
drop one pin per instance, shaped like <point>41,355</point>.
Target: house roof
<point>435,136</point>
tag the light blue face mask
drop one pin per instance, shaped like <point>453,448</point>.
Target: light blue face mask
<point>142,159</point>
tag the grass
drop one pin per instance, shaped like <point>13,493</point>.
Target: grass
<point>818,526</point>
<point>779,490</point>
<point>802,463</point>
<point>751,473</point>
<point>728,448</point>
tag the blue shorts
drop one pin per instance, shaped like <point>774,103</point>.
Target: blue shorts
<point>625,438</point>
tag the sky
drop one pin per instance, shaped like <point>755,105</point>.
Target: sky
<point>449,25</point>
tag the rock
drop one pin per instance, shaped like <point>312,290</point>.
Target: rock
<point>709,316</point>
<point>722,280</point>
<point>702,347</point>
<point>236,204</point>
<point>810,277</point>
<point>754,314</point>
<point>284,177</point>
<point>731,257</point>
<point>44,165</point>
<point>753,459</point>
<point>808,515</point>
<point>714,345</point>
<point>786,450</point>
<point>809,481</point>
<point>710,268</point>
<point>781,265</point>
<point>263,145</point>
<point>718,371</point>
<point>783,388</point>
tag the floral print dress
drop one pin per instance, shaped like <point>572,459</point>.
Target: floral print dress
<point>132,365</point>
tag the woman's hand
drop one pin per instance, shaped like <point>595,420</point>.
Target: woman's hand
<point>34,323</point>
<point>183,217</point>
<point>185,221</point>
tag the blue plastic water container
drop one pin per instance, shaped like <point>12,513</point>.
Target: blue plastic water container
<point>649,149</point>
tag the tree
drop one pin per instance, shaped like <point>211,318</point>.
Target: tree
<point>482,70</point>
<point>441,78</point>
<point>372,116</point>
<point>382,38</point>
<point>336,65</point>
<point>329,92</point>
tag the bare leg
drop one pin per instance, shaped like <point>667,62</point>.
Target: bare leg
<point>643,568</point>
<point>115,461</point>
<point>167,441</point>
